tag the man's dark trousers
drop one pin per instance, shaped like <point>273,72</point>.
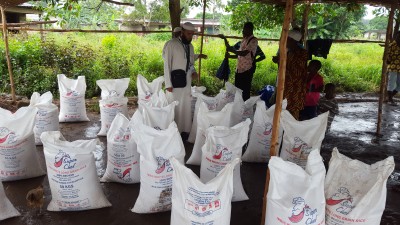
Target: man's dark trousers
<point>243,81</point>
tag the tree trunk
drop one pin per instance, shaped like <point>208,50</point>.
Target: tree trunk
<point>396,27</point>
<point>175,13</point>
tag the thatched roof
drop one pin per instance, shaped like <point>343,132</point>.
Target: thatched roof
<point>369,2</point>
<point>7,3</point>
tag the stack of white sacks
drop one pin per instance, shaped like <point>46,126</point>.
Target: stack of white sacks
<point>148,149</point>
<point>112,101</point>
<point>300,191</point>
<point>47,115</point>
<point>18,155</point>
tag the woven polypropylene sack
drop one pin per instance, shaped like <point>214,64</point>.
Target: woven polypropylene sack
<point>156,147</point>
<point>195,202</point>
<point>122,156</point>
<point>206,119</point>
<point>18,155</point>
<point>47,115</point>
<point>295,195</point>
<point>113,88</point>
<point>355,192</point>
<point>223,145</point>
<point>300,137</point>
<point>7,210</point>
<point>261,132</point>
<point>72,99</point>
<point>109,108</point>
<point>72,174</point>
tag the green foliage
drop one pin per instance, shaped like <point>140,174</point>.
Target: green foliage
<point>72,14</point>
<point>244,11</point>
<point>378,23</point>
<point>159,36</point>
<point>145,12</point>
<point>36,63</point>
<point>325,20</point>
<point>334,21</point>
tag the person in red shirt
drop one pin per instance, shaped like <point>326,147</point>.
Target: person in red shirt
<point>315,85</point>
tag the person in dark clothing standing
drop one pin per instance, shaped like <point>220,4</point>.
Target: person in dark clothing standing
<point>246,56</point>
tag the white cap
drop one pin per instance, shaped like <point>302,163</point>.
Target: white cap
<point>295,35</point>
<point>177,29</point>
<point>188,26</point>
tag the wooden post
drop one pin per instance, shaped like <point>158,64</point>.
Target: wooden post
<point>279,95</point>
<point>202,37</point>
<point>5,36</point>
<point>304,24</point>
<point>389,31</point>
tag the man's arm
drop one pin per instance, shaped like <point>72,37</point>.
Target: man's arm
<point>167,56</point>
<point>260,56</point>
<point>229,56</point>
<point>232,49</point>
<point>200,56</point>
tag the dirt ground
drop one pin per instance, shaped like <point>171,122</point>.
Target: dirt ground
<point>352,132</point>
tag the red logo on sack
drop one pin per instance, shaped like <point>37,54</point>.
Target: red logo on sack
<point>302,211</point>
<point>7,135</point>
<point>163,164</point>
<point>300,145</point>
<point>343,199</point>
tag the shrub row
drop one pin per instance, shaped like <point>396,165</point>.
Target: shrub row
<point>36,62</point>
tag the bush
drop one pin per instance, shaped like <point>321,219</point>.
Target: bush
<point>36,62</point>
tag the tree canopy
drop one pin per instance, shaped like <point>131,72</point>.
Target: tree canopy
<point>325,20</point>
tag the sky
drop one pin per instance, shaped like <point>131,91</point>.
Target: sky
<point>369,12</point>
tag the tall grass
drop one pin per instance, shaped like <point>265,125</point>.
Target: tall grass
<point>36,62</point>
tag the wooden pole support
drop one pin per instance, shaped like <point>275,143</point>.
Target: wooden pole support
<point>304,23</point>
<point>202,37</point>
<point>279,96</point>
<point>384,69</point>
<point>5,36</point>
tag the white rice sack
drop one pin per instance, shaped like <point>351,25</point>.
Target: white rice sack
<point>156,147</point>
<point>158,117</point>
<point>296,196</point>
<point>300,137</point>
<point>206,119</point>
<point>7,209</point>
<point>355,192</point>
<point>228,95</point>
<point>109,108</point>
<point>158,100</point>
<point>147,89</point>
<point>260,136</point>
<point>122,156</point>
<point>211,103</point>
<point>72,99</point>
<point>72,174</point>
<point>113,88</point>
<point>194,90</point>
<point>194,202</point>
<point>19,158</point>
<point>243,109</point>
<point>47,115</point>
<point>223,145</point>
